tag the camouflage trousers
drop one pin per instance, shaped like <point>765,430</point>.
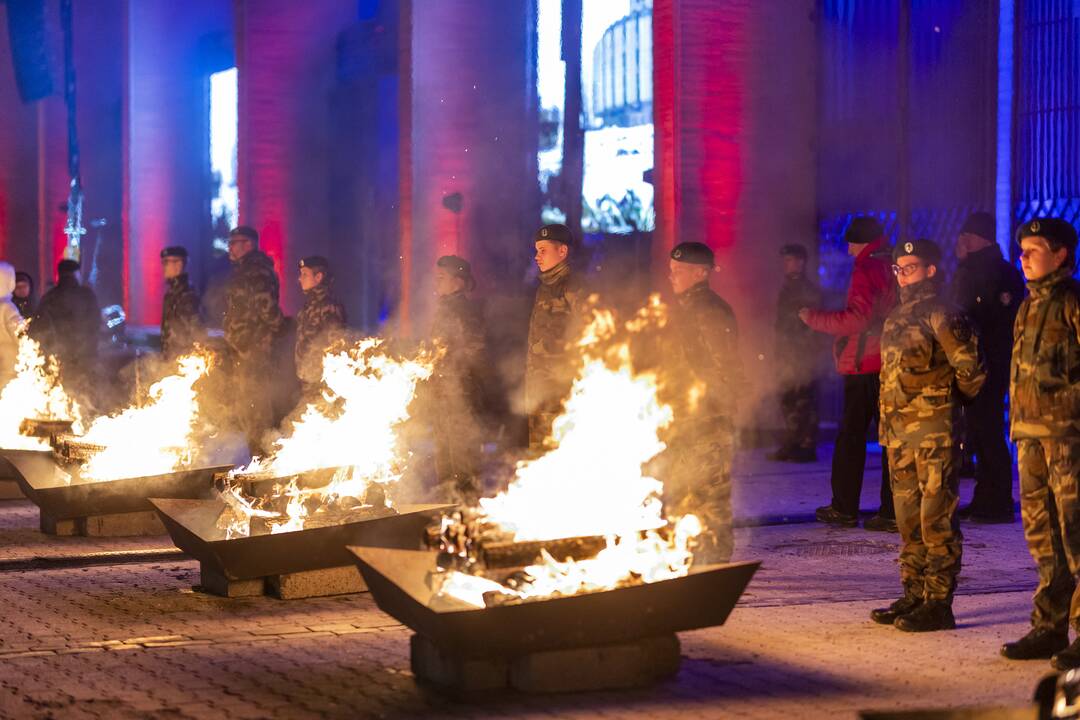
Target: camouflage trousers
<point>697,480</point>
<point>1050,506</point>
<point>457,457</point>
<point>798,403</point>
<point>925,494</point>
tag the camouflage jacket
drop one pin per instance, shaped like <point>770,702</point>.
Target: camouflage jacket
<point>319,324</point>
<point>181,326</point>
<point>458,327</point>
<point>928,353</point>
<point>797,346</point>
<point>252,315</point>
<point>704,358</point>
<point>1045,377</point>
<point>557,317</point>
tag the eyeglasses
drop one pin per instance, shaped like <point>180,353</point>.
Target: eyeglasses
<point>905,270</point>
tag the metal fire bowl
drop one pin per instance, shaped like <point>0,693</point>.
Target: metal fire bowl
<point>192,524</point>
<point>398,582</point>
<point>62,496</point>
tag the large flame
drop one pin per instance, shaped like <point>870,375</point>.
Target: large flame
<point>34,392</point>
<point>152,438</point>
<point>353,428</point>
<point>591,482</point>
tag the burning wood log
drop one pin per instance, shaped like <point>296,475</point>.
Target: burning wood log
<point>466,542</point>
<point>44,427</point>
<point>70,450</point>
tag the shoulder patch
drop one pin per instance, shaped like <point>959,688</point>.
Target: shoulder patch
<point>960,326</point>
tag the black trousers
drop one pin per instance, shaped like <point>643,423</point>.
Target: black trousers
<point>984,420</point>
<point>849,456</point>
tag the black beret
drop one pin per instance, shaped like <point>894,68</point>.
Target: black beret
<point>174,251</point>
<point>555,233</point>
<point>694,253</point>
<point>981,224</point>
<point>67,266</point>
<point>863,230</point>
<point>927,250</point>
<point>315,262</point>
<point>23,276</point>
<point>456,266</point>
<point>245,231</point>
<point>794,250</point>
<point>1056,231</point>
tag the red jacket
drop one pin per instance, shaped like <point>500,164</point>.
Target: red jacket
<point>870,297</point>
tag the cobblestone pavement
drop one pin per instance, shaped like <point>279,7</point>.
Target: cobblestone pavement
<point>98,638</point>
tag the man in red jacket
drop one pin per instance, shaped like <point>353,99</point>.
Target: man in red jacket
<point>857,351</point>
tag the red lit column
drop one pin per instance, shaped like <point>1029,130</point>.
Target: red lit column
<point>285,58</point>
<point>735,115</point>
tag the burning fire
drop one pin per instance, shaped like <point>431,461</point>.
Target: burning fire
<point>153,438</point>
<point>34,392</point>
<point>591,483</point>
<point>354,430</point>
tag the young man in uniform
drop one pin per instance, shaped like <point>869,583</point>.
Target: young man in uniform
<point>458,330</point>
<point>1045,424</point>
<point>557,318</point>
<point>253,320</point>
<point>318,324</point>
<point>796,359</point>
<point>929,356</point>
<point>181,326</point>
<point>706,368</point>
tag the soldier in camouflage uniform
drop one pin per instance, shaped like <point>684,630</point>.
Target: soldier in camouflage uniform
<point>929,353</point>
<point>181,326</point>
<point>557,318</point>
<point>1045,425</point>
<point>796,359</point>
<point>706,374</point>
<point>458,330</point>
<point>252,321</point>
<point>320,323</point>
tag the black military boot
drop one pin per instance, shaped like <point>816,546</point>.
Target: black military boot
<point>903,606</point>
<point>1039,644</point>
<point>1067,659</point>
<point>931,616</point>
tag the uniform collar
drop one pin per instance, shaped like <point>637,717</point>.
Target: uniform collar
<point>694,291</point>
<point>919,291</point>
<point>555,274</point>
<point>180,281</point>
<point>1043,286</point>
<point>318,292</point>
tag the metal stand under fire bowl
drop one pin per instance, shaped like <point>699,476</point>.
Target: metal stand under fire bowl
<point>311,562</point>
<point>72,505</point>
<point>604,640</point>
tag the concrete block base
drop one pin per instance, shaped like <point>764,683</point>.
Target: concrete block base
<point>456,674</point>
<point>289,586</point>
<point>215,583</point>
<point>316,583</point>
<point>117,525</point>
<point>604,667</point>
<point>9,490</point>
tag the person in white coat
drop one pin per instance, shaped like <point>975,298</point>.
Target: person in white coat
<point>10,322</point>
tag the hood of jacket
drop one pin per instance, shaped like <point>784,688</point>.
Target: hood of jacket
<point>7,281</point>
